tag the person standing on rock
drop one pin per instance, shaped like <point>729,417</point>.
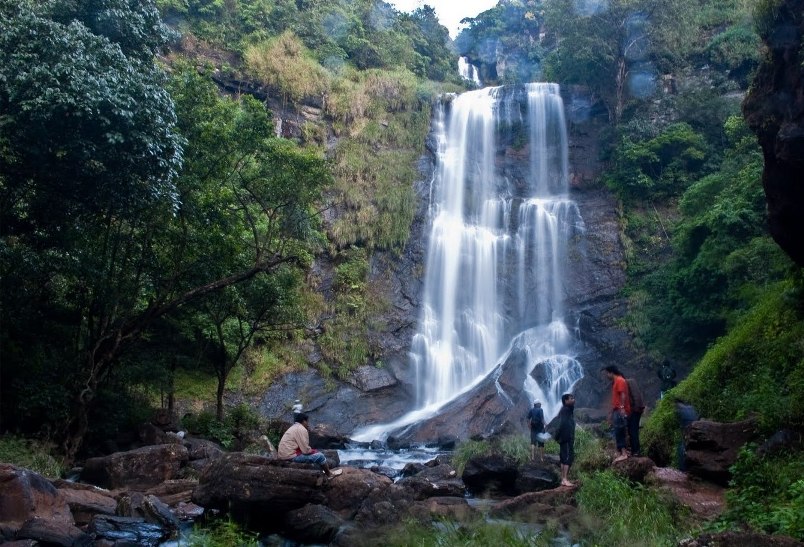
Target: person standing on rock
<point>536,420</point>
<point>295,446</point>
<point>621,409</point>
<point>565,435</point>
<point>637,408</point>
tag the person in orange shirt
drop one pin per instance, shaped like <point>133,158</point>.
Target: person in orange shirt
<point>621,408</point>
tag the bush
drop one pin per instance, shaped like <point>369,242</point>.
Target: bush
<point>222,533</point>
<point>474,534</point>
<point>513,447</point>
<point>757,369</point>
<point>767,494</point>
<point>30,454</point>
<point>621,513</point>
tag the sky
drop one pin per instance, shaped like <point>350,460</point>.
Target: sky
<point>449,12</point>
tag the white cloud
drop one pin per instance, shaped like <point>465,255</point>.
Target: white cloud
<point>449,12</point>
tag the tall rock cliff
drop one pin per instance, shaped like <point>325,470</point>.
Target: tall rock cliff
<point>774,109</point>
<point>595,308</point>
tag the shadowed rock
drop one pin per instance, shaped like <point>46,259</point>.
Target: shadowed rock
<point>635,469</point>
<point>255,490</point>
<point>136,469</point>
<point>86,501</point>
<point>712,448</point>
<point>127,531</point>
<point>26,496</point>
<point>312,524</point>
<point>346,493</point>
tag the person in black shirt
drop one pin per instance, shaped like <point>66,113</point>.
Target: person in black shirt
<point>536,419</point>
<point>566,436</point>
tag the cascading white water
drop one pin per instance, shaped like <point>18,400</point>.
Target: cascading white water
<point>468,71</point>
<point>497,250</point>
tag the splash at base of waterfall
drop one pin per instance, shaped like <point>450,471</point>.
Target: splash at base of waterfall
<point>557,373</point>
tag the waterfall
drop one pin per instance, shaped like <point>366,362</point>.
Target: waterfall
<point>497,249</point>
<point>468,71</point>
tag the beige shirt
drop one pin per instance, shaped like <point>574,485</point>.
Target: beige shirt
<point>295,437</point>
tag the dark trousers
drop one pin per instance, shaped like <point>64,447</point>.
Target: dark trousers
<point>633,431</point>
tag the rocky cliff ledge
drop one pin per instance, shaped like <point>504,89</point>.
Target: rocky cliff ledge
<point>774,109</point>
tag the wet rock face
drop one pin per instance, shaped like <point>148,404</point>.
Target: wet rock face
<point>774,109</point>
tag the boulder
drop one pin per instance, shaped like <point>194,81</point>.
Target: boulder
<point>367,378</point>
<point>705,499</point>
<point>200,449</point>
<point>712,448</point>
<point>150,434</point>
<point>434,481</point>
<point>533,478</point>
<point>127,531</point>
<point>188,511</point>
<point>51,532</point>
<point>493,475</point>
<point>314,524</point>
<point>537,507</point>
<point>346,493</point>
<point>148,508</point>
<point>174,491</point>
<point>136,469</point>
<point>385,506</point>
<point>256,488</point>
<point>635,469</point>
<point>324,436</point>
<point>27,496</point>
<point>86,501</point>
<point>482,411</point>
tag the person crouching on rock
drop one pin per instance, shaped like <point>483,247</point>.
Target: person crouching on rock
<point>295,446</point>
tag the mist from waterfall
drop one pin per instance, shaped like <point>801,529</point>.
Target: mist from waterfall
<point>497,250</point>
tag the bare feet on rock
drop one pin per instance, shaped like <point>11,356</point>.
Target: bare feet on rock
<point>620,458</point>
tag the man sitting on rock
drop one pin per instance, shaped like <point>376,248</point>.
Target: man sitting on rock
<point>295,446</point>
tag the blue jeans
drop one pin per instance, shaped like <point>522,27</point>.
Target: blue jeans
<point>318,458</point>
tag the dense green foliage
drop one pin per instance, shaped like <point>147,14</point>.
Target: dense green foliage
<point>511,29</point>
<point>29,454</point>
<point>768,494</point>
<point>617,512</point>
<point>221,533</point>
<point>101,243</point>
<point>363,34</point>
<point>757,370</point>
<point>723,256</point>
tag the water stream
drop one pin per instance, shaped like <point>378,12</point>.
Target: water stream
<point>497,249</point>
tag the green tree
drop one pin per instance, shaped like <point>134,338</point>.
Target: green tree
<point>617,48</point>
<point>101,236</point>
<point>513,28</point>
